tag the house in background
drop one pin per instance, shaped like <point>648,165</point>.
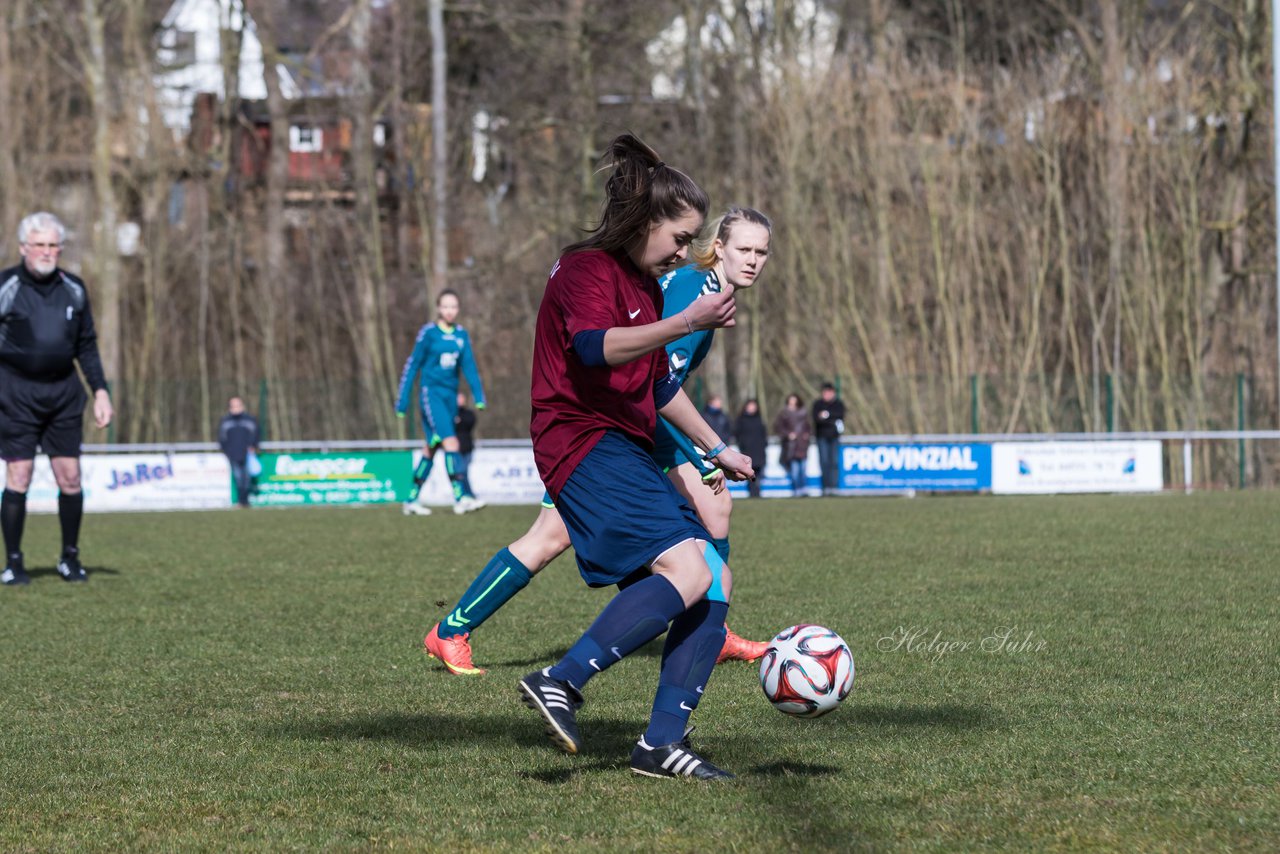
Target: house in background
<point>320,138</point>
<point>189,59</point>
<point>191,87</point>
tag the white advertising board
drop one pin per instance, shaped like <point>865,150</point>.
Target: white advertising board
<point>498,475</point>
<point>1053,467</point>
<point>123,482</point>
<point>509,476</point>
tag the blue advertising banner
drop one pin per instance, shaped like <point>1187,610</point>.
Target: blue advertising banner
<point>927,468</point>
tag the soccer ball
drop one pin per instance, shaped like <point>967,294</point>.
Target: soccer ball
<point>806,671</point>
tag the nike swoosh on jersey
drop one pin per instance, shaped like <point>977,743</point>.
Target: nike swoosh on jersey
<point>632,314</point>
<point>677,362</point>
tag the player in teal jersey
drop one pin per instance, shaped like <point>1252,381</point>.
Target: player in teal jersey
<point>731,253</point>
<point>442,351</point>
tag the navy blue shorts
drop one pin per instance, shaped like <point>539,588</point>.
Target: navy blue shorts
<point>622,512</point>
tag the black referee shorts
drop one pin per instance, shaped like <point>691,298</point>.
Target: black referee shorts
<point>44,414</point>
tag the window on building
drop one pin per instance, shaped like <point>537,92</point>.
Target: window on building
<point>305,139</point>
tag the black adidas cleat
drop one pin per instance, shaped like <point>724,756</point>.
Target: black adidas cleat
<point>674,760</point>
<point>558,703</point>
<point>14,572</point>
<point>69,566</point>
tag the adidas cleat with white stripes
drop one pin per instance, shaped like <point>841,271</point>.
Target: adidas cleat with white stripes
<point>558,703</point>
<point>674,760</point>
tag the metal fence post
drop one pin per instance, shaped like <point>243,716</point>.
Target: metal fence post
<point>1111,406</point>
<point>973,403</point>
<point>1240,424</point>
<point>1186,466</point>
<point>262,410</point>
<point>111,428</point>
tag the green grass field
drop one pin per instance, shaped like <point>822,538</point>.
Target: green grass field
<point>255,680</point>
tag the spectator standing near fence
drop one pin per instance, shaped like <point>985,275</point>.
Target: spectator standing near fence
<point>238,437</point>
<point>46,328</point>
<point>464,426</point>
<point>753,439</point>
<point>828,424</point>
<point>792,427</point>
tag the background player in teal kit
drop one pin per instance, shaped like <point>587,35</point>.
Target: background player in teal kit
<point>733,249</point>
<point>442,351</point>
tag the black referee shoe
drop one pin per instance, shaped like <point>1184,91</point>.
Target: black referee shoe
<point>14,572</point>
<point>69,566</point>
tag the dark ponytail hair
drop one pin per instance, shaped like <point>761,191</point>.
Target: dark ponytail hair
<point>641,190</point>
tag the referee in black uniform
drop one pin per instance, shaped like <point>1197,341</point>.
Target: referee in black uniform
<point>45,328</point>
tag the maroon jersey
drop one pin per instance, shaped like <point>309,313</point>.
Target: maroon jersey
<point>574,404</point>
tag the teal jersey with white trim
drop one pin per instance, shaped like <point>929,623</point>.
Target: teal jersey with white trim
<point>680,288</point>
<point>439,355</point>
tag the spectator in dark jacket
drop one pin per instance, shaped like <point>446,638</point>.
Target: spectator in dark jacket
<point>715,416</point>
<point>237,436</point>
<point>753,438</point>
<point>792,427</point>
<point>828,424</point>
<point>464,425</point>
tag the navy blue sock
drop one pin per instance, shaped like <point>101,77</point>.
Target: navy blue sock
<point>502,578</point>
<point>721,545</point>
<point>687,661</point>
<point>634,617</point>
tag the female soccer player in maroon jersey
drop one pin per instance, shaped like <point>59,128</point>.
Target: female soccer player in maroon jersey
<point>731,252</point>
<point>600,377</point>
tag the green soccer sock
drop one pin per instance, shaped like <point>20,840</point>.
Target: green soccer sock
<point>502,578</point>
<point>420,475</point>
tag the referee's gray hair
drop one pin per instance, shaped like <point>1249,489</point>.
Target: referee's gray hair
<point>38,222</point>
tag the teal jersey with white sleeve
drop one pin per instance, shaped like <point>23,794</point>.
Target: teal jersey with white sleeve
<point>439,355</point>
<point>680,288</point>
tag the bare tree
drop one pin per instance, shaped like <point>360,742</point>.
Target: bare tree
<point>439,152</point>
<point>105,264</point>
<point>373,352</point>
<point>8,138</point>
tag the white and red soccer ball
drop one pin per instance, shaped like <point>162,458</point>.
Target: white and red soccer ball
<point>806,671</point>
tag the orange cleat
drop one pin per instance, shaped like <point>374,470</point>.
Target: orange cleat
<point>454,653</point>
<point>738,649</point>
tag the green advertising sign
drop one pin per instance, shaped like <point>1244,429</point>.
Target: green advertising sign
<point>356,477</point>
